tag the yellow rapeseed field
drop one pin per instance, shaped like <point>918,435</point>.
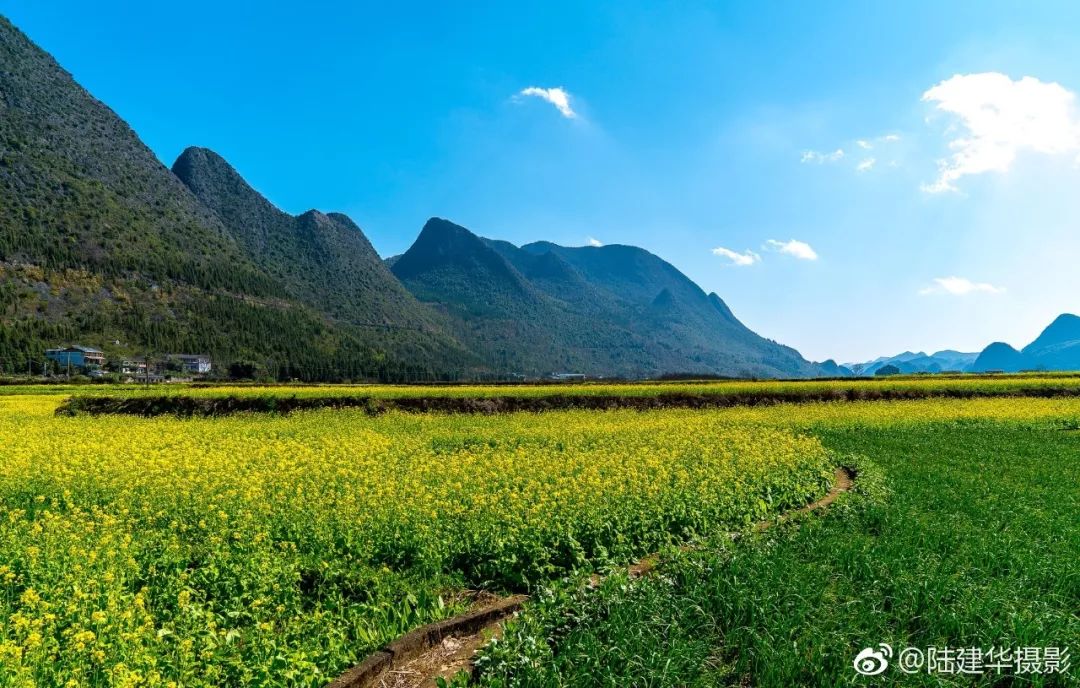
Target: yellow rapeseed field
<point>277,550</point>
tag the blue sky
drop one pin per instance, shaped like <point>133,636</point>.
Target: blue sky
<point>949,220</point>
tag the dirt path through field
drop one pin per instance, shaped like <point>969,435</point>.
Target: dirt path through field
<point>441,650</point>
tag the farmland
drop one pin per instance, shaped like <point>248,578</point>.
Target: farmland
<point>278,549</point>
<point>915,384</point>
<point>256,548</point>
<point>206,399</point>
<point>965,537</point>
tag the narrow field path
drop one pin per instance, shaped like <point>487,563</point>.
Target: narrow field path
<point>443,649</point>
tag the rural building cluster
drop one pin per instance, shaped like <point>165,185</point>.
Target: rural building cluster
<point>86,360</point>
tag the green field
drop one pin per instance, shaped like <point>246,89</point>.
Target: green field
<point>268,549</point>
<point>967,535</point>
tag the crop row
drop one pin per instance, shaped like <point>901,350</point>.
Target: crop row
<point>928,384</point>
<point>491,399</point>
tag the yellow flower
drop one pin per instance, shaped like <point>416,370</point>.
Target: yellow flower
<point>267,507</point>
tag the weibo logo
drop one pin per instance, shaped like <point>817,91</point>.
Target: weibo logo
<point>871,662</point>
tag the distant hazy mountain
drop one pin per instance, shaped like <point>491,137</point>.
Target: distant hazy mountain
<point>1000,356</point>
<point>615,310</point>
<point>1058,347</point>
<point>830,368</point>
<point>954,360</point>
<point>918,362</point>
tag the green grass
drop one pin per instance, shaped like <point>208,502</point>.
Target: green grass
<point>972,540</point>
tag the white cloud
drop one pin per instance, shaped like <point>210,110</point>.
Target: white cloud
<point>865,165</point>
<point>959,286</point>
<point>799,249</point>
<point>819,158</point>
<point>864,144</point>
<point>996,118</point>
<point>595,242</point>
<point>556,96</point>
<point>736,258</point>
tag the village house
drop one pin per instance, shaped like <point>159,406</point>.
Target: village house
<point>195,364</point>
<point>568,377</point>
<point>83,357</point>
<point>133,368</point>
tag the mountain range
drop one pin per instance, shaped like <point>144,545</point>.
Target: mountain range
<point>616,310</point>
<point>101,244</point>
<point>1056,348</point>
<point>918,362</point>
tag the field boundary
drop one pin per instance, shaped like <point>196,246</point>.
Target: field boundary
<point>184,405</point>
<point>443,648</point>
